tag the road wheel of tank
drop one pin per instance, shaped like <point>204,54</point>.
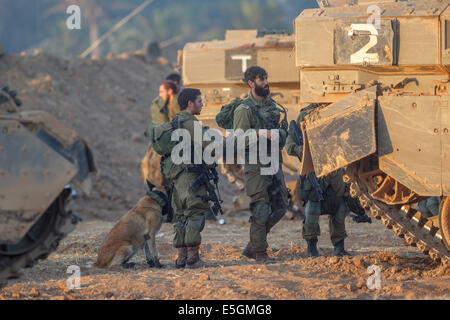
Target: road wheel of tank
<point>382,186</point>
<point>42,239</point>
<point>444,221</point>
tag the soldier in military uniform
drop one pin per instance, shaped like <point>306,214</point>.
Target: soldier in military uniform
<point>268,193</point>
<point>333,191</point>
<point>163,109</point>
<point>165,106</point>
<point>187,205</point>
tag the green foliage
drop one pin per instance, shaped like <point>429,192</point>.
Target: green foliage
<point>25,24</point>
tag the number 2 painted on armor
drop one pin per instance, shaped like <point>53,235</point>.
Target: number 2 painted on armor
<point>362,56</point>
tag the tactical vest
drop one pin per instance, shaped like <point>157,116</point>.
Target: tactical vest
<point>267,117</point>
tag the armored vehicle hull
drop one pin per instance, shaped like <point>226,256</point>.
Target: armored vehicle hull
<point>381,73</point>
<point>39,161</point>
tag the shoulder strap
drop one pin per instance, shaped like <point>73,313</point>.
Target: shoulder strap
<point>176,122</point>
<point>255,111</point>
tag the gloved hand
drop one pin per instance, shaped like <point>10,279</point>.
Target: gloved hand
<point>284,125</point>
<point>362,218</point>
<point>299,151</point>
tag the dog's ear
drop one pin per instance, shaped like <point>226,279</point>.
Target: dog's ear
<point>149,185</point>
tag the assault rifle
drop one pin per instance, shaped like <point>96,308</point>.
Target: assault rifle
<point>205,175</point>
<point>296,134</point>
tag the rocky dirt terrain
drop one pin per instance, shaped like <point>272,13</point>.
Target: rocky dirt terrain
<point>405,273</point>
<point>106,101</point>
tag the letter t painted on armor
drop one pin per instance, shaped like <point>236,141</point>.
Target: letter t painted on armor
<point>244,60</point>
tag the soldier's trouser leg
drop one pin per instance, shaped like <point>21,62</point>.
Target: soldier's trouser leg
<point>179,230</point>
<point>336,222</point>
<point>422,207</point>
<point>311,228</point>
<point>194,226</point>
<point>258,229</point>
<point>279,202</point>
<point>267,209</point>
<point>190,211</point>
<point>433,205</point>
<point>429,207</point>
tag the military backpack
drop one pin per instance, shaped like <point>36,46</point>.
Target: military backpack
<point>160,135</point>
<point>225,117</point>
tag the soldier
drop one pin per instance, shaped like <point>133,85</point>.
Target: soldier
<point>163,109</point>
<point>332,189</point>
<point>268,193</point>
<point>189,208</point>
<point>165,106</point>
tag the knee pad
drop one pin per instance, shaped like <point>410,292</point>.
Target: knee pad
<point>312,212</point>
<point>196,222</point>
<point>312,219</point>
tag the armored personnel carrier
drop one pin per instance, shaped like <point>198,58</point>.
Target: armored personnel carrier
<point>217,69</point>
<point>40,159</point>
<point>381,74</point>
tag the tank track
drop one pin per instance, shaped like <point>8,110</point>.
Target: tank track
<point>63,223</point>
<point>404,223</point>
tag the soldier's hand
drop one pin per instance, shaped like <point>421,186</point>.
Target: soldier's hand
<point>299,151</point>
<point>284,125</point>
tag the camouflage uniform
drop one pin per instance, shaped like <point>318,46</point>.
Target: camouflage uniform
<point>268,193</point>
<point>162,111</point>
<point>334,205</point>
<point>429,207</point>
<point>150,164</point>
<point>189,209</point>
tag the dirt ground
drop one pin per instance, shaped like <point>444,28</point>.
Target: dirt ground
<point>405,272</point>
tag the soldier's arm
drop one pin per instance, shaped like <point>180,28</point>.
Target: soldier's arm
<point>173,109</point>
<point>155,115</point>
<point>283,137</point>
<point>242,119</point>
<point>292,148</point>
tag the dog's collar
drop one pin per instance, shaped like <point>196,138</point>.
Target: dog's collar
<point>159,197</point>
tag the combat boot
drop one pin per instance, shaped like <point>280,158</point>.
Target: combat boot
<point>248,251</point>
<point>312,248</point>
<point>180,262</point>
<point>262,257</point>
<point>193,259</point>
<point>339,250</point>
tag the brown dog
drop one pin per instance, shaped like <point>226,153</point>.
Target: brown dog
<point>136,229</point>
